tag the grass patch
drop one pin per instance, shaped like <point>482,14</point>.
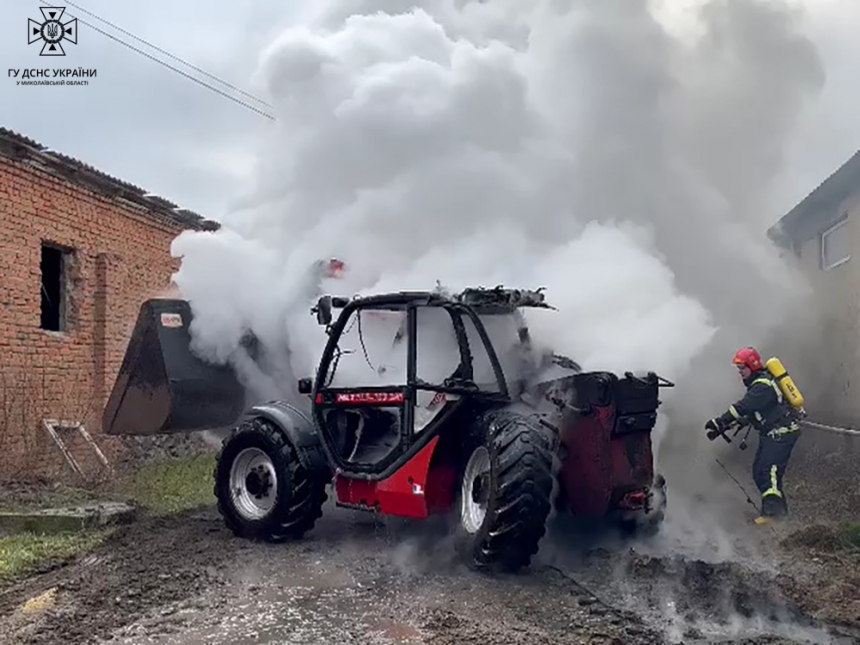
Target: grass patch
<point>166,487</point>
<point>23,553</point>
<point>23,497</point>
<point>174,485</point>
<point>851,533</point>
<point>826,538</point>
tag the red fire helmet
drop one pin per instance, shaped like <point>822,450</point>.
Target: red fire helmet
<point>335,268</point>
<point>749,358</point>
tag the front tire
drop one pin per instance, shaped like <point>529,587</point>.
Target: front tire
<point>505,491</point>
<point>263,491</point>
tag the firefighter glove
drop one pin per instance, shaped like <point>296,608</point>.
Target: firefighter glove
<point>714,428</point>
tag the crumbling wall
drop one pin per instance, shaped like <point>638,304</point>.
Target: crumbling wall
<point>116,256</point>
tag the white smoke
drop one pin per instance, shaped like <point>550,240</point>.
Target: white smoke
<point>580,146</point>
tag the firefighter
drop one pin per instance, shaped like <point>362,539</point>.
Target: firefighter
<point>765,408</point>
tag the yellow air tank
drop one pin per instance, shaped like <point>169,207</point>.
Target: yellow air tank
<point>789,389</point>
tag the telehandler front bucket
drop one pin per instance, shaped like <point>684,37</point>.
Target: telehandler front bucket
<point>162,387</point>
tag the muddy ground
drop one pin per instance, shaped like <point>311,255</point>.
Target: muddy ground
<point>186,580</point>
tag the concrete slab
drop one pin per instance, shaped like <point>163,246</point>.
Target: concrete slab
<point>57,520</point>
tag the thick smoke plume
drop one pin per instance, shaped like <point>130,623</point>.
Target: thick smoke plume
<point>579,146</point>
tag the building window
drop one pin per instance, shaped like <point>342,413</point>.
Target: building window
<point>54,267</point>
<point>835,245</point>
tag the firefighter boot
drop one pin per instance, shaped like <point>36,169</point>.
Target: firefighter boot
<point>773,507</point>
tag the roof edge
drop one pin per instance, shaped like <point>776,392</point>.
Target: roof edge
<point>159,209</point>
<point>821,203</point>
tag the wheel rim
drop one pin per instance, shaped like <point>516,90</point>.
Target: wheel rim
<point>253,483</point>
<point>475,483</point>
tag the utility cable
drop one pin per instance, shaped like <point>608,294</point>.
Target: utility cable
<point>171,67</point>
<point>168,54</point>
<point>744,490</point>
<point>588,592</point>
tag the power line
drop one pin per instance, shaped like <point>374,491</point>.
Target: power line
<point>172,68</point>
<point>168,54</point>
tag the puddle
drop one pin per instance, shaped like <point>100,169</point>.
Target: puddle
<point>316,604</point>
<point>302,616</point>
<point>396,633</point>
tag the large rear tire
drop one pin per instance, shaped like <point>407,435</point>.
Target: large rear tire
<point>263,491</point>
<point>505,491</point>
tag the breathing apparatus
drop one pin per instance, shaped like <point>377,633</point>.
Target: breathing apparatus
<point>750,358</point>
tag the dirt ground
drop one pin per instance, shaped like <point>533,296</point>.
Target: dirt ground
<point>186,580</point>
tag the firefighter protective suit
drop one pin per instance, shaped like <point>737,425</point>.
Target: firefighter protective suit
<point>765,408</point>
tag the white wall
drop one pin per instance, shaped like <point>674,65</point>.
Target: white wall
<point>829,353</point>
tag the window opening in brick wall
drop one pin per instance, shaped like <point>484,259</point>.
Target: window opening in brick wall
<point>836,245</point>
<point>53,287</point>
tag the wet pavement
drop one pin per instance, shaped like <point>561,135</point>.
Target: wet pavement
<point>375,584</point>
<point>358,579</point>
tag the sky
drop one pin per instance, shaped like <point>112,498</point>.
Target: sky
<point>145,124</point>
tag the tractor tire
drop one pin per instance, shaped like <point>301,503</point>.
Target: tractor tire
<point>648,524</point>
<point>505,491</point>
<point>263,491</point>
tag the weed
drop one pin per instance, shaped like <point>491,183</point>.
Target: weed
<point>851,533</point>
<point>173,485</point>
<point>22,553</point>
<point>27,497</point>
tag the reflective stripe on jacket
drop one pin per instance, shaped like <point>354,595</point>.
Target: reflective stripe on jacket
<point>763,406</point>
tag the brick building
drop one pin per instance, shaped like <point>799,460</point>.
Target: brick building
<point>79,251</point>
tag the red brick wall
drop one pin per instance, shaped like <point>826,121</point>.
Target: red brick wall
<point>120,258</point>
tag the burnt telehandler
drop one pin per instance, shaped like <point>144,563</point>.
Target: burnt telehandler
<point>481,429</point>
